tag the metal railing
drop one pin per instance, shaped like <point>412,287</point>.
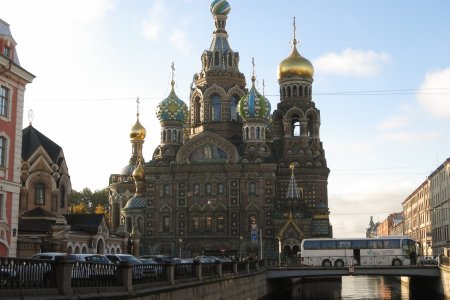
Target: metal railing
<point>63,276</point>
<point>26,273</point>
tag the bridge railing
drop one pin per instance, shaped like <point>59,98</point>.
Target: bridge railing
<point>342,261</point>
<point>67,277</point>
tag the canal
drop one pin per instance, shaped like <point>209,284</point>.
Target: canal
<point>355,287</point>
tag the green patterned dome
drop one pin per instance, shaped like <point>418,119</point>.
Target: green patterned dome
<point>172,108</point>
<point>220,7</point>
<point>254,105</point>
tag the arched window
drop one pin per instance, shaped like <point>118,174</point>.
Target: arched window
<point>220,223</point>
<point>289,91</point>
<point>195,223</point>
<point>197,107</point>
<point>230,59</point>
<point>164,136</point>
<point>295,127</point>
<point>294,90</point>
<point>233,108</point>
<point>310,126</point>
<point>215,112</point>
<point>216,58</point>
<point>174,135</point>
<point>246,133</point>
<point>129,224</point>
<point>39,193</point>
<point>258,133</point>
<point>62,196</point>
<point>208,223</point>
<point>208,189</point>
<point>252,133</point>
<point>166,224</point>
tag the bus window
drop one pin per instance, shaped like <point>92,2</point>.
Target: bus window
<point>328,245</point>
<point>311,245</point>
<point>375,244</point>
<point>391,244</point>
<point>344,244</point>
<point>359,244</point>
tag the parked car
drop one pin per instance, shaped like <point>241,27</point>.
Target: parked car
<point>54,255</point>
<point>151,268</point>
<point>159,258</point>
<point>131,259</point>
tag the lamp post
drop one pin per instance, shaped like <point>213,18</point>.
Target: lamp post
<point>241,238</point>
<point>180,240</point>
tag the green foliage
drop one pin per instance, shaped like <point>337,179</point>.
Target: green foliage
<point>87,201</point>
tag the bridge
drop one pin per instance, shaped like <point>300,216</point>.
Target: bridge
<point>297,271</point>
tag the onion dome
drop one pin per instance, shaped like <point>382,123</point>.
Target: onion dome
<point>138,201</point>
<point>139,173</point>
<point>295,65</point>
<point>254,104</point>
<point>172,108</point>
<point>128,169</point>
<point>137,131</point>
<point>220,7</point>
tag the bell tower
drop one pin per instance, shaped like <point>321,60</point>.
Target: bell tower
<point>219,85</point>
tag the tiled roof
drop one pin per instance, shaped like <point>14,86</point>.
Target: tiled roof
<point>35,225</point>
<point>84,222</point>
<point>6,32</point>
<point>32,139</point>
<point>36,213</point>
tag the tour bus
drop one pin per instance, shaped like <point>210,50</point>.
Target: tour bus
<point>382,251</point>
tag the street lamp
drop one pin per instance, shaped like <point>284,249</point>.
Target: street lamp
<point>180,240</point>
<point>240,247</point>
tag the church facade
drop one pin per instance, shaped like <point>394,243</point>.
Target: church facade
<point>230,176</point>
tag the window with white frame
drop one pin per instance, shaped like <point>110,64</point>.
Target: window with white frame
<point>7,51</point>
<point>3,152</point>
<point>4,101</point>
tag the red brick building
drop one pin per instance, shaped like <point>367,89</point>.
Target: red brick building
<point>13,79</point>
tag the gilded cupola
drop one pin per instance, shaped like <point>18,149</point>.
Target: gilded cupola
<point>138,131</point>
<point>295,64</point>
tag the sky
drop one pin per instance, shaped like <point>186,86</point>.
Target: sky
<point>381,82</point>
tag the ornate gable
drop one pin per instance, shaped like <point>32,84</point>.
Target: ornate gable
<point>207,147</point>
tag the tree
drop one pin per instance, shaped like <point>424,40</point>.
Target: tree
<point>91,201</point>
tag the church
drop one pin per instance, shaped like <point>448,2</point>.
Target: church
<point>229,176</point>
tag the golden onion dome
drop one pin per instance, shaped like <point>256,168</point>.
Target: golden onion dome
<point>138,131</point>
<point>295,65</point>
<point>138,173</point>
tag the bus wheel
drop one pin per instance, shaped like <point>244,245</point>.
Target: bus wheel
<point>397,262</point>
<point>326,263</point>
<point>339,263</point>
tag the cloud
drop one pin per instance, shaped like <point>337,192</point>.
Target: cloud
<point>351,62</point>
<point>151,27</point>
<point>434,95</point>
<point>393,123</point>
<point>406,137</point>
<point>389,131</point>
<point>179,40</point>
